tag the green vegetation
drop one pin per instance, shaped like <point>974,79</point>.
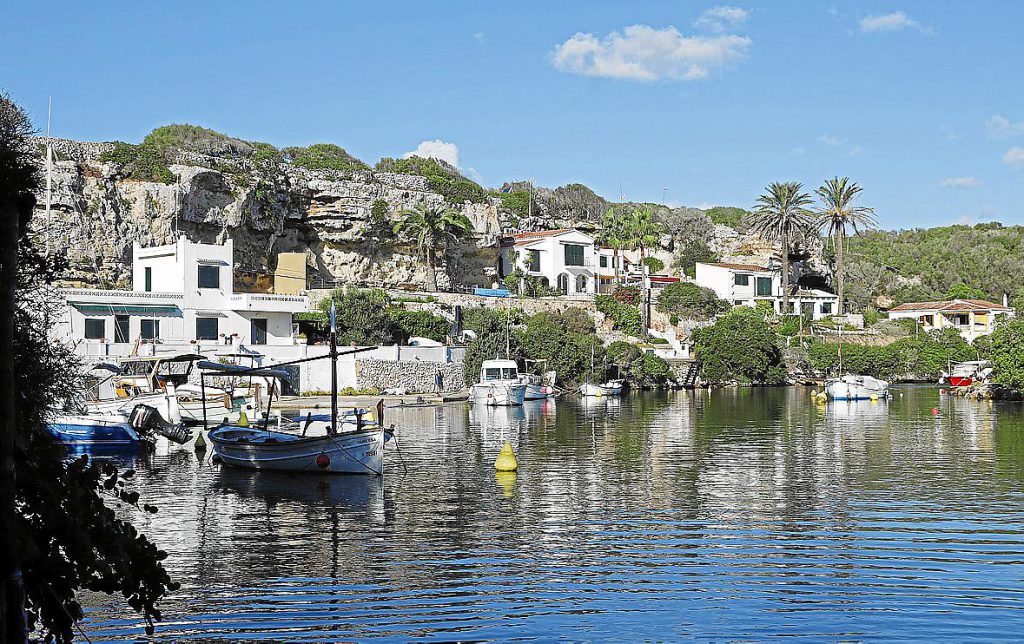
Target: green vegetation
<point>837,214</point>
<point>183,137</point>
<point>443,178</point>
<point>494,339</point>
<point>654,265</point>
<point>433,229</point>
<point>781,216</point>
<point>925,264</point>
<point>613,235</point>
<point>690,301</point>
<point>266,152</point>
<point>961,291</point>
<point>379,211</point>
<point>547,337</point>
<point>323,156</point>
<point>741,346</point>
<point>367,317</point>
<point>141,162</point>
<point>516,201</point>
<point>626,317</point>
<point>1006,351</point>
<point>642,370</point>
<point>689,253</point>
<point>922,357</point>
<point>522,283</point>
<point>726,216</point>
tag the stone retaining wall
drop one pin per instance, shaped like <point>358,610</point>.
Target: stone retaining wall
<point>413,376</point>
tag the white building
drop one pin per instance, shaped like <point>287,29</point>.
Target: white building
<point>972,318</point>
<point>182,293</point>
<point>564,259</point>
<point>747,284</point>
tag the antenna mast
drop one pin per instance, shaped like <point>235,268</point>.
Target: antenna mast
<point>49,172</point>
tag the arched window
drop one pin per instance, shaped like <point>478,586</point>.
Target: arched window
<point>581,283</point>
<point>563,283</point>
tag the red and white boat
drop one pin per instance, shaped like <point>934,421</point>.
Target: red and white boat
<point>965,374</point>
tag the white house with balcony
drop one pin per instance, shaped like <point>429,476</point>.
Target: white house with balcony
<point>747,284</point>
<point>182,293</point>
<point>564,259</point>
<point>972,318</point>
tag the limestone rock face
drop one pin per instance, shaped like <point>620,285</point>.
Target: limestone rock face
<point>98,213</point>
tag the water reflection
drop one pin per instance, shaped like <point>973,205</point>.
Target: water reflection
<point>727,514</point>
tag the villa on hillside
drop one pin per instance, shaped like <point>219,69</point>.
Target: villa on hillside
<point>972,318</point>
<point>564,259</point>
<point>182,293</point>
<point>747,284</point>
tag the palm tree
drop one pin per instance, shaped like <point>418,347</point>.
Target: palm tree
<point>837,212</point>
<point>433,227</point>
<point>642,231</point>
<point>613,235</point>
<point>780,215</point>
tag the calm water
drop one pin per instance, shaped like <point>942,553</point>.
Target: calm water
<point>739,515</point>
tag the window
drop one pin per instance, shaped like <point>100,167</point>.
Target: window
<point>581,284</point>
<point>738,302</point>
<point>209,277</point>
<point>509,373</point>
<point>573,255</point>
<point>95,328</point>
<point>533,261</point>
<point>741,279</point>
<point>149,329</point>
<point>563,283</point>
<point>121,324</point>
<point>492,374</point>
<point>764,286</point>
<point>207,328</point>
<point>604,261</point>
<point>826,308</point>
<point>149,279</point>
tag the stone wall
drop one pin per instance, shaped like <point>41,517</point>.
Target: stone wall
<point>414,377</point>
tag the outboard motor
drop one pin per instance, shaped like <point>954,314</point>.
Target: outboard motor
<point>147,420</point>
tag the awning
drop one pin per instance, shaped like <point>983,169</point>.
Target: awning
<point>239,370</point>
<point>90,308</point>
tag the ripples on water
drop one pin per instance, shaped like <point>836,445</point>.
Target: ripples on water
<point>727,515</point>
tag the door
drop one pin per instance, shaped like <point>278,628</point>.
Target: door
<point>259,331</point>
<point>121,328</point>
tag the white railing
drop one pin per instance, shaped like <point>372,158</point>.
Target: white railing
<point>117,294</point>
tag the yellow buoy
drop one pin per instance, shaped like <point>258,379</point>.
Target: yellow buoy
<point>243,420</point>
<point>814,392</point>
<point>506,461</point>
<point>822,397</point>
<point>873,397</point>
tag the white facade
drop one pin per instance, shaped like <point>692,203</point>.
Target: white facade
<point>564,259</point>
<point>182,293</point>
<point>747,284</point>
<point>971,318</point>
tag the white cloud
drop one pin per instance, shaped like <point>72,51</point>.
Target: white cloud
<point>856,151</point>
<point>895,21</point>
<point>949,133</point>
<point>798,152</point>
<point>830,139</point>
<point>1014,157</point>
<point>480,37</point>
<point>959,182</point>
<point>719,19</point>
<point>1000,127</point>
<point>437,149</point>
<point>643,53</point>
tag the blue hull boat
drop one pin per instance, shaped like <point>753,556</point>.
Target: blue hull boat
<point>93,430</point>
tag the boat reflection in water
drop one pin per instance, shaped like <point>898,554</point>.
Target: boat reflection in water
<point>498,424</point>
<point>124,456</point>
<point>361,494</point>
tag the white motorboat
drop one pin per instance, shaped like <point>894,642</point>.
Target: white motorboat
<point>539,387</point>
<point>499,384</point>
<point>610,388</point>
<point>854,387</point>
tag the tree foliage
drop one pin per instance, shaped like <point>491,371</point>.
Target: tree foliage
<point>640,369</point>
<point>961,291</point>
<point>922,357</point>
<point>838,213</point>
<point>1006,351</point>
<point>362,317</point>
<point>432,228</point>
<point>140,162</point>
<point>740,345</point>
<point>183,137</point>
<point>323,156</point>
<point>444,179</point>
<point>691,301</point>
<point>626,317</point>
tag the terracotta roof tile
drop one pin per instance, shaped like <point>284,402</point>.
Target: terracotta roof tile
<point>541,233</point>
<point>951,305</point>
<point>739,267</point>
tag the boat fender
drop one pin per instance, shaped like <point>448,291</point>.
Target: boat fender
<point>935,411</point>
<point>506,461</point>
<point>323,460</point>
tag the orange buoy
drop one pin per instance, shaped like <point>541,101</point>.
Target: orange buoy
<point>935,411</point>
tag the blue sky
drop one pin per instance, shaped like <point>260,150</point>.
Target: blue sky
<point>921,102</point>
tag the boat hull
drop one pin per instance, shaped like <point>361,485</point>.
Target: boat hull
<point>856,388</point>
<point>93,430</point>
<point>961,381</point>
<point>539,392</point>
<point>598,391</point>
<point>498,395</point>
<point>357,452</point>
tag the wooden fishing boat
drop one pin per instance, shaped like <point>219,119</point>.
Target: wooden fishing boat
<point>610,388</point>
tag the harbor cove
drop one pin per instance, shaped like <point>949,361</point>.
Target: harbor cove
<point>458,322</point>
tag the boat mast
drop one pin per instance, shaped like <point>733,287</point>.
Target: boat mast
<point>840,349</point>
<point>334,371</point>
<point>49,172</point>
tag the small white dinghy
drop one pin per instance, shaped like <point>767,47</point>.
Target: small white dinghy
<point>610,388</point>
<point>853,387</point>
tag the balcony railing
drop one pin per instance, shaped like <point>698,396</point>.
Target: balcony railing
<point>114,294</point>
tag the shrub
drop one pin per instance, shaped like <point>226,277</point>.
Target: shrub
<point>627,295</point>
<point>641,370</point>
<point>516,201</point>
<point>690,252</point>
<point>625,317</point>
<point>731,217</point>
<point>379,211</point>
<point>925,356</point>
<point>362,317</point>
<point>740,345</point>
<point>141,162</point>
<point>654,265</point>
<point>691,301</point>
<point>266,152</point>
<point>443,178</point>
<point>200,140</point>
<point>568,353</point>
<point>324,156</point>
<point>1007,354</point>
<point>420,324</point>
